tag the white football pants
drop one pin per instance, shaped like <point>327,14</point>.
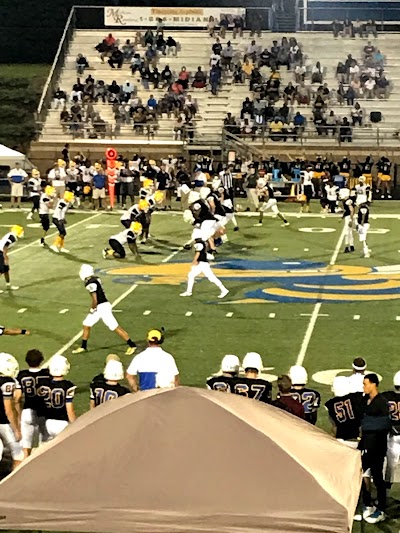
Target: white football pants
<point>203,268</point>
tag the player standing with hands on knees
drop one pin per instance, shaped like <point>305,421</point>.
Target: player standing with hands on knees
<point>9,239</point>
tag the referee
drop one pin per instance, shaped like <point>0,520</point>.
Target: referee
<point>9,331</point>
<point>227,181</point>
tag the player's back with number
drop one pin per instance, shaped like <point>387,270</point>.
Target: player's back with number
<point>30,381</point>
<point>310,400</point>
<point>346,413</point>
<point>220,383</point>
<point>255,388</point>
<point>104,392</point>
<point>393,399</point>
<point>56,395</point>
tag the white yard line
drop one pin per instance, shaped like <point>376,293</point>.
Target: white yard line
<point>314,315</point>
<point>35,243</point>
<point>172,255</point>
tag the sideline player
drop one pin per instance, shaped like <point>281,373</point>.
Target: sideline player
<point>34,188</point>
<point>362,191</point>
<point>110,389</point>
<point>251,384</point>
<point>309,398</point>
<point>60,222</point>
<point>230,366</point>
<point>393,451</point>
<point>100,309</point>
<point>31,405</point>
<point>10,432</point>
<point>118,241</point>
<point>200,265</point>
<point>267,201</point>
<point>363,227</point>
<point>9,239</point>
<point>58,395</point>
<point>348,218</point>
<point>45,203</point>
<point>345,412</point>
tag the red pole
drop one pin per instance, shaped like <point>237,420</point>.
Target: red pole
<point>111,171</point>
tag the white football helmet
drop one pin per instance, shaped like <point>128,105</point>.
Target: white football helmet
<point>230,363</point>
<point>193,197</point>
<point>8,365</point>
<point>396,379</point>
<point>86,271</point>
<point>204,192</point>
<point>59,365</point>
<point>253,360</point>
<point>216,183</point>
<point>298,375</point>
<point>114,371</point>
<point>341,386</point>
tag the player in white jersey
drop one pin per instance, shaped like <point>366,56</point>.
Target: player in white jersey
<point>59,221</point>
<point>45,204</point>
<point>117,242</point>
<point>267,201</point>
<point>362,191</point>
<point>34,189</point>
<point>363,227</point>
<point>9,239</point>
<point>307,190</point>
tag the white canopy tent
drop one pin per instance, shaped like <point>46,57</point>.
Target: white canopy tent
<point>9,157</point>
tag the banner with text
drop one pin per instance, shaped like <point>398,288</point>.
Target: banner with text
<point>183,17</point>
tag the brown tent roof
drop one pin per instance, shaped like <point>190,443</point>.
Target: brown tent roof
<point>185,460</point>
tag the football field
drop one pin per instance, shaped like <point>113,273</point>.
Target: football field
<point>295,297</point>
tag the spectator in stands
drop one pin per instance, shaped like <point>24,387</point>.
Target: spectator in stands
<point>247,127</point>
<point>303,94</point>
<point>215,60</point>
<point>276,130</point>
<point>217,47</point>
<point>247,68</point>
<point>336,28</point>
<point>227,55</point>
<point>317,73</point>
<point>127,90</point>
<point>289,93</point>
<point>230,124</point>
<point>369,87</point>
<point>190,106</point>
<point>171,46</point>
<point>136,63</point>
<point>160,27</point>
<point>152,103</point>
<point>370,27</point>
<point>354,70</point>
<point>145,75</point>
<point>211,26</point>
<point>110,40</point>
<point>357,115</point>
<point>166,76</point>
<point>355,84</point>
<point>345,131</point>
<point>183,78</point>
<point>357,28</point>
<point>299,123</point>
<point>178,129</point>
<point>103,49</point>
<point>347,28</point>
<point>59,98</point>
<point>149,38</point>
<point>382,87</point>
<point>253,51</point>
<point>238,25</point>
<point>65,119</point>
<point>81,64</point>
<point>76,112</point>
<point>215,78</point>
<point>341,72</point>
<point>100,91</point>
<point>369,50</point>
<point>113,91</point>
<point>341,93</point>
<point>223,25</point>
<point>128,50</point>
<point>319,121</point>
<point>331,123</point>
<point>238,74</point>
<point>283,113</point>
<point>299,73</point>
<point>295,53</point>
<point>116,58</point>
<point>378,58</point>
<point>161,44</point>
<point>256,79</point>
<point>247,108</point>
<point>350,95</point>
<point>88,92</point>
<point>200,79</point>
<point>319,103</point>
<point>150,55</point>
<point>347,64</point>
<point>269,112</point>
<point>259,108</point>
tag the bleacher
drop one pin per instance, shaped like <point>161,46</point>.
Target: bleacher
<point>194,51</point>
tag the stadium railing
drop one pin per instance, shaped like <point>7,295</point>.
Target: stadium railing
<point>315,17</point>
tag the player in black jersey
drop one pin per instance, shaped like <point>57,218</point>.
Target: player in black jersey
<point>348,217</point>
<point>31,405</point>
<point>200,215</point>
<point>384,176</point>
<point>251,384</point>
<point>6,242</point>
<point>200,265</point>
<point>99,378</point>
<point>222,382</point>
<point>309,398</point>
<point>58,395</point>
<point>363,227</point>
<point>13,331</point>
<point>345,412</point>
<point>101,309</point>
<point>221,205</point>
<point>366,169</point>
<point>267,201</point>
<point>393,449</point>
<point>109,389</point>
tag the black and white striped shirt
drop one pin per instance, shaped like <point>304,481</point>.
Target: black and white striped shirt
<point>226,180</point>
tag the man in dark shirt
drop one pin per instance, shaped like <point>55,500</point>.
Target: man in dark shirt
<point>375,427</point>
<point>285,399</point>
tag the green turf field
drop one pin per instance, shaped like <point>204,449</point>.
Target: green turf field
<point>294,298</point>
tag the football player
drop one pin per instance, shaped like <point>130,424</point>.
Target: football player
<point>9,239</point>
<point>356,380</point>
<point>267,200</point>
<point>366,169</point>
<point>100,309</point>
<point>58,395</point>
<point>34,189</point>
<point>251,385</point>
<point>384,177</point>
<point>200,265</point>
<point>345,411</point>
<point>45,204</point>
<point>230,365</point>
<point>60,222</point>
<point>31,405</point>
<point>153,200</point>
<point>362,191</point>
<point>10,431</point>
<point>137,212</point>
<point>363,227</point>
<point>202,217</point>
<point>99,378</point>
<point>73,175</point>
<point>331,191</point>
<point>110,389</point>
<point>348,218</point>
<point>13,331</point>
<point>221,205</point>
<point>117,242</point>
<point>393,452</point>
<point>309,398</point>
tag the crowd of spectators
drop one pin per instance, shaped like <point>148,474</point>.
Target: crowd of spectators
<point>347,28</point>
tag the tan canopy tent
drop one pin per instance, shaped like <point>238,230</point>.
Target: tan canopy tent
<point>185,460</point>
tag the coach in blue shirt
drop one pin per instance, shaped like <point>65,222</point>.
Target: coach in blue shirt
<point>99,188</point>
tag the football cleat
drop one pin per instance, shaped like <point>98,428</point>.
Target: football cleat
<point>54,248</point>
<point>104,253</point>
<point>186,293</point>
<point>131,350</point>
<point>286,223</point>
<point>79,350</point>
<point>224,292</point>
<point>12,287</point>
<point>347,250</point>
<point>377,516</point>
<point>259,224</point>
<point>64,251</point>
<point>236,228</point>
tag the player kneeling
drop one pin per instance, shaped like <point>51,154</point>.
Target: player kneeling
<point>10,433</point>
<point>110,389</point>
<point>117,242</point>
<point>58,394</point>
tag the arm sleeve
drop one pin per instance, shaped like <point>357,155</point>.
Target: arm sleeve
<point>69,396</point>
<point>173,367</point>
<point>91,287</point>
<point>7,389</point>
<point>132,369</point>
